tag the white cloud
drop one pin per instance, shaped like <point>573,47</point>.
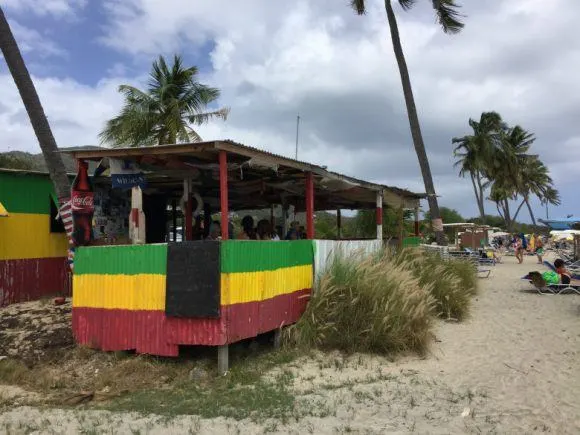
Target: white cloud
<point>56,8</point>
<point>30,40</point>
<point>273,60</point>
<point>76,112</point>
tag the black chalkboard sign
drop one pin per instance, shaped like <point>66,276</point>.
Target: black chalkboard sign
<point>193,279</point>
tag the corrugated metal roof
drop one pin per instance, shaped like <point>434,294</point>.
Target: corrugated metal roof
<point>238,149</point>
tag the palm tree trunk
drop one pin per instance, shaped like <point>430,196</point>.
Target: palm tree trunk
<point>33,107</point>
<point>507,215</point>
<point>518,210</point>
<point>481,203</point>
<point>530,210</point>
<point>499,210</point>
<point>415,126</point>
<point>476,191</point>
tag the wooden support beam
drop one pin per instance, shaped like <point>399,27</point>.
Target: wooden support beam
<point>206,219</point>
<point>188,210</point>
<point>223,356</point>
<point>416,221</point>
<point>174,218</point>
<point>379,215</point>
<point>223,158</point>
<point>309,206</point>
<point>338,225</point>
<point>272,218</point>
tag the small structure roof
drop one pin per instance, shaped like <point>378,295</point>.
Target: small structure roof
<point>256,178</point>
<point>468,225</point>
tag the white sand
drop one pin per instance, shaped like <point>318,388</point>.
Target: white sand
<point>514,367</point>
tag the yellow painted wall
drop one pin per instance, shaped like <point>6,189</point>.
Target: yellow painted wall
<point>27,235</point>
<point>245,287</point>
<point>122,292</point>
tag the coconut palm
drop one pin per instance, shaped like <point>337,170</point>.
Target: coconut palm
<point>535,180</point>
<point>474,153</point>
<point>166,111</point>
<point>449,19</point>
<point>515,173</point>
<point>23,81</point>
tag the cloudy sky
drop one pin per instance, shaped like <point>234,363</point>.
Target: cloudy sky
<point>274,59</point>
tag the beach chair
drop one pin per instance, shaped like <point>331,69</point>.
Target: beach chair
<point>483,273</point>
<point>568,258</point>
<point>479,258</point>
<point>544,288</point>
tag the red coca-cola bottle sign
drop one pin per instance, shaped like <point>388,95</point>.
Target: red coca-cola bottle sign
<point>83,206</point>
<point>82,202</point>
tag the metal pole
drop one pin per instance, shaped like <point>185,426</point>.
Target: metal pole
<point>297,130</point>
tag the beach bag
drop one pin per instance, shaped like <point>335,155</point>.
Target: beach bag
<point>551,277</point>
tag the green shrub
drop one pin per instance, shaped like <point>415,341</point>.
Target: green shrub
<point>367,304</point>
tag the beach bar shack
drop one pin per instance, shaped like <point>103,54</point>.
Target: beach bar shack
<point>161,291</point>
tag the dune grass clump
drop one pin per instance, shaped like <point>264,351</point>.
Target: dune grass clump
<point>367,304</point>
<point>452,283</point>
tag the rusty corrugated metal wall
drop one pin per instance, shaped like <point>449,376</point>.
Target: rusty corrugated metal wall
<point>120,293</point>
<point>32,258</point>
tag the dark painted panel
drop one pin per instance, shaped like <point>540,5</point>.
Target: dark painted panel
<point>193,279</point>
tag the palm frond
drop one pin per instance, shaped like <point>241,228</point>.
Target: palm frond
<point>358,6</point>
<point>407,4</point>
<point>448,16</point>
<point>203,118</point>
<point>193,135</point>
<point>162,113</point>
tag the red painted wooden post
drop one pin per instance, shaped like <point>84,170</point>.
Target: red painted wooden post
<point>379,215</point>
<point>309,206</point>
<point>224,195</point>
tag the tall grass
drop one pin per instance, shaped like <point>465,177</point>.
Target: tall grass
<point>367,304</point>
<point>452,283</point>
<point>384,303</point>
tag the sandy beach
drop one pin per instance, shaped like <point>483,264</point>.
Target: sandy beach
<point>512,367</point>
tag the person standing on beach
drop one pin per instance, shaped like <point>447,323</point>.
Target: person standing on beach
<point>540,250</point>
<point>519,248</point>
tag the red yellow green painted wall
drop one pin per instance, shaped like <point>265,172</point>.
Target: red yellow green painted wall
<point>32,259</point>
<point>119,298</point>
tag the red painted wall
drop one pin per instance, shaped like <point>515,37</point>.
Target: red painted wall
<point>31,279</point>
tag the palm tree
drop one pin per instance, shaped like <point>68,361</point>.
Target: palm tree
<point>449,19</point>
<point>535,180</point>
<point>165,112</point>
<point>475,152</point>
<point>516,173</point>
<point>23,81</point>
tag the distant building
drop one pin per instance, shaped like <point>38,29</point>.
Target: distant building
<point>561,224</point>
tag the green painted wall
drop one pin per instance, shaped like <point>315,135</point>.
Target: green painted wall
<point>124,260</point>
<point>255,256</point>
<point>25,193</point>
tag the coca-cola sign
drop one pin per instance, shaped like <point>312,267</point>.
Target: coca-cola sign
<point>82,202</point>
